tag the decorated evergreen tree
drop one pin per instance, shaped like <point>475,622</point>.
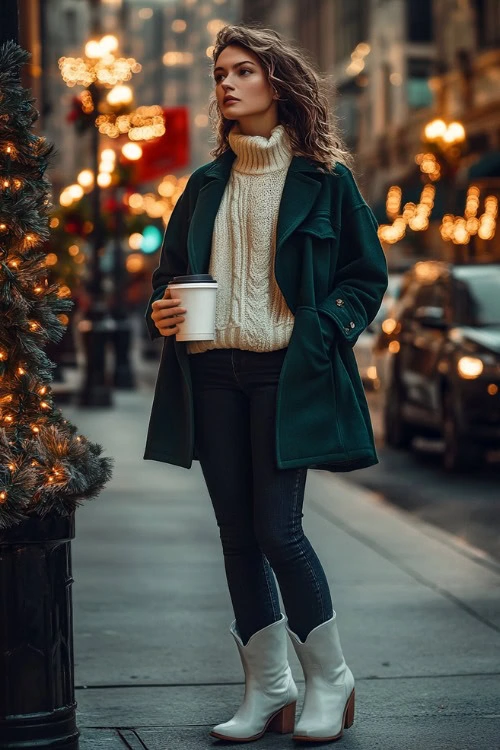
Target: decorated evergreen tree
<point>45,467</point>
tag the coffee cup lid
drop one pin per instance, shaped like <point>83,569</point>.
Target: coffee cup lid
<point>193,278</point>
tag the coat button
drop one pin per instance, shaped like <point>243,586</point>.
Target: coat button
<point>339,302</point>
<point>352,324</point>
<point>347,330</point>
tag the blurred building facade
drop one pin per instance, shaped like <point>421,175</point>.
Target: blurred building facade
<point>396,66</point>
<point>170,38</point>
<point>173,42</point>
<point>379,55</point>
<point>467,86</point>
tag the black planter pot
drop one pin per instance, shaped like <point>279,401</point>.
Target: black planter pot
<point>37,694</point>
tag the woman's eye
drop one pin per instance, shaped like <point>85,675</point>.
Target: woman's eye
<point>219,75</point>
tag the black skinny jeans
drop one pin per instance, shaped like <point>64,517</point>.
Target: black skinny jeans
<point>258,507</point>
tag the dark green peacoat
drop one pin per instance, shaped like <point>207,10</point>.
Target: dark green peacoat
<point>332,272</point>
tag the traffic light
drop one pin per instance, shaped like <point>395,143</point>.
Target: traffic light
<point>151,239</point>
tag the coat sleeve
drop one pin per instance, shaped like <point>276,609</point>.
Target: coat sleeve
<point>173,257</point>
<point>360,278</point>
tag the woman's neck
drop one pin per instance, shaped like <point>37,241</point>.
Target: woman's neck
<point>262,125</point>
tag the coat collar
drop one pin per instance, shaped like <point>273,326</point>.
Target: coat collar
<point>302,185</point>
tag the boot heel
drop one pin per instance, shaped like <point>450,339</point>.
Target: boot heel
<point>284,721</point>
<point>349,717</point>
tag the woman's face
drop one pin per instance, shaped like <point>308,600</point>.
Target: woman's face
<point>238,73</point>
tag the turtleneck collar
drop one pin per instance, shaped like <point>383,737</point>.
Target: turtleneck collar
<point>256,154</point>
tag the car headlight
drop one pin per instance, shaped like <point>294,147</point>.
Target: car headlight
<point>470,368</point>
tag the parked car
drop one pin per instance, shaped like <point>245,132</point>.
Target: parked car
<point>369,364</point>
<point>444,368</point>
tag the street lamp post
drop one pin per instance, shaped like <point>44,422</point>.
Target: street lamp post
<point>99,70</point>
<point>448,140</point>
<point>122,334</point>
<point>95,328</point>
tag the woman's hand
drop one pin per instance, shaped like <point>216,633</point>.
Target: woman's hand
<point>166,314</point>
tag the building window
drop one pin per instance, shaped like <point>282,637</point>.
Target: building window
<point>478,143</point>
<point>419,20</point>
<point>488,23</point>
<point>71,26</point>
<point>419,94</point>
<point>347,111</point>
<point>351,27</point>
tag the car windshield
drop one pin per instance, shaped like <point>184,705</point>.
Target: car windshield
<point>478,296</point>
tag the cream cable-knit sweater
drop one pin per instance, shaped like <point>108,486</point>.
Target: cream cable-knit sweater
<point>250,311</point>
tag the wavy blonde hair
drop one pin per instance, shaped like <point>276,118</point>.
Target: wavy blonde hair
<point>303,106</point>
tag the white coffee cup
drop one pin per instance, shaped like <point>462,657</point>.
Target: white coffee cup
<point>197,293</point>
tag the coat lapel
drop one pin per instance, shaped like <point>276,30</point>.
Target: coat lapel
<point>199,239</point>
<point>299,193</point>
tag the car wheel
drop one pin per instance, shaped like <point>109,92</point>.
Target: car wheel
<point>398,433</point>
<point>459,453</point>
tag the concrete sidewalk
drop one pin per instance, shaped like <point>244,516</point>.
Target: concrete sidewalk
<point>156,666</point>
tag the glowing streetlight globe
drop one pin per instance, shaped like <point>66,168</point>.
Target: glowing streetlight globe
<point>455,132</point>
<point>120,95</point>
<point>435,129</point>
<point>132,151</point>
<point>109,43</point>
<point>93,49</point>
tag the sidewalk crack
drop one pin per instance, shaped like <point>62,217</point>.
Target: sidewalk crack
<point>131,739</point>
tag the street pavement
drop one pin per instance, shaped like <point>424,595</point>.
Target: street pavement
<point>156,666</point>
<point>465,504</point>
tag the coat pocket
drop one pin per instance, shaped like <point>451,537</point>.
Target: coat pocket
<point>319,226</point>
<point>306,402</point>
<point>354,414</point>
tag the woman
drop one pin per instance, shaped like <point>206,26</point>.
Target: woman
<point>278,220</point>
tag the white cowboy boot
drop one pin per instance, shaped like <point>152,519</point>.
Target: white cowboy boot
<point>270,691</point>
<point>329,695</point>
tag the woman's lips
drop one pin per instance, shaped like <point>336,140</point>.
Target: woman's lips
<point>232,101</point>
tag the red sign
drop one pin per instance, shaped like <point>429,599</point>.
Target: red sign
<point>161,156</point>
